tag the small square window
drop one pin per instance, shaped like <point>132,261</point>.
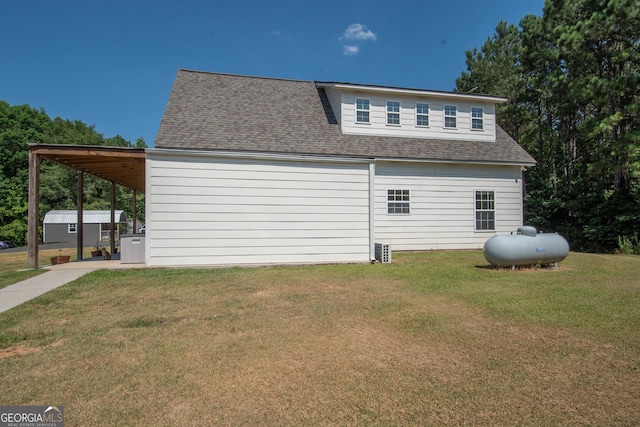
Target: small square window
<point>422,114</point>
<point>393,112</point>
<point>398,202</point>
<point>72,228</point>
<point>450,112</point>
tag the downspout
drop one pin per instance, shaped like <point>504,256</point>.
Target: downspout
<point>523,184</point>
<point>372,213</point>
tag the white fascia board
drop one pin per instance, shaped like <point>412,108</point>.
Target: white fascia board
<point>258,155</point>
<point>413,92</point>
<point>319,158</point>
<point>457,162</point>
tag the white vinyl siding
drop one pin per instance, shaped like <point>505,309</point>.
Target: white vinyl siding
<point>223,211</point>
<point>442,204</point>
<point>409,127</point>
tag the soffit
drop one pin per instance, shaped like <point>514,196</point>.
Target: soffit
<point>124,166</point>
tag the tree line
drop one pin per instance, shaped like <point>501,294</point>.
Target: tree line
<point>572,79</point>
<point>20,125</point>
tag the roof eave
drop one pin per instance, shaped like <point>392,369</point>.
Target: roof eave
<point>327,157</point>
<point>413,92</point>
<point>454,161</point>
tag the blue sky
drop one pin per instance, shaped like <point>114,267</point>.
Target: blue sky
<point>111,64</point>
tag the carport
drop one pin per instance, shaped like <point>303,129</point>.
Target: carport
<point>119,165</point>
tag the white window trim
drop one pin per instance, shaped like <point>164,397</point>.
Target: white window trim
<point>387,112</point>
<point>444,116</point>
<point>356,109</point>
<point>75,228</point>
<point>476,118</point>
<point>475,210</point>
<point>387,201</point>
<point>422,114</point>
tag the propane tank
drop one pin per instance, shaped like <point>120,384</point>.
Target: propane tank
<point>527,247</point>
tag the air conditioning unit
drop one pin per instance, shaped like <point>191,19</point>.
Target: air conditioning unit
<point>383,253</point>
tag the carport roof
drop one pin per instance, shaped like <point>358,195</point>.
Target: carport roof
<point>122,165</point>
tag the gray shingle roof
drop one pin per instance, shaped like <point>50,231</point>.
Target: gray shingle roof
<point>212,111</point>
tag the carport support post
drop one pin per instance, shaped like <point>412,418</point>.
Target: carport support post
<point>133,209</point>
<point>80,226</point>
<point>33,220</point>
<point>113,216</point>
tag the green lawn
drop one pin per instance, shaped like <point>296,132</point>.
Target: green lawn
<point>436,338</point>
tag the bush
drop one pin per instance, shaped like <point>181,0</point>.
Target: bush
<point>629,245</point>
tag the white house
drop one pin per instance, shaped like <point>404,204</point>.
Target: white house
<point>251,170</point>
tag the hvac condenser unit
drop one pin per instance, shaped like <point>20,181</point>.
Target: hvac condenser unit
<point>383,253</point>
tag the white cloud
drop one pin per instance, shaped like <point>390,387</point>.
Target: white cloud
<point>350,50</point>
<point>359,32</point>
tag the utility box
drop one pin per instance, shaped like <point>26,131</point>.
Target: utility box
<point>132,249</point>
<point>383,253</point>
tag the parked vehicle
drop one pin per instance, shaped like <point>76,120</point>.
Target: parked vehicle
<point>6,244</point>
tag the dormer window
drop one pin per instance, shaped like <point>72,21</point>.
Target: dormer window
<point>363,107</point>
<point>477,118</point>
<point>450,112</point>
<point>422,114</point>
<point>393,113</point>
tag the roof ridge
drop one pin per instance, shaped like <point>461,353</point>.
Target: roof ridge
<point>244,75</point>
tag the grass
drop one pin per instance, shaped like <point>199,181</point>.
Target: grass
<point>433,339</point>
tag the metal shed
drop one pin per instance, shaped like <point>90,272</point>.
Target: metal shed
<point>62,226</point>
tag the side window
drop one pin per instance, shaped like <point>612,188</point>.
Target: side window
<point>363,107</point>
<point>450,113</point>
<point>398,202</point>
<point>393,112</point>
<point>422,114</point>
<point>72,228</point>
<point>485,210</point>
